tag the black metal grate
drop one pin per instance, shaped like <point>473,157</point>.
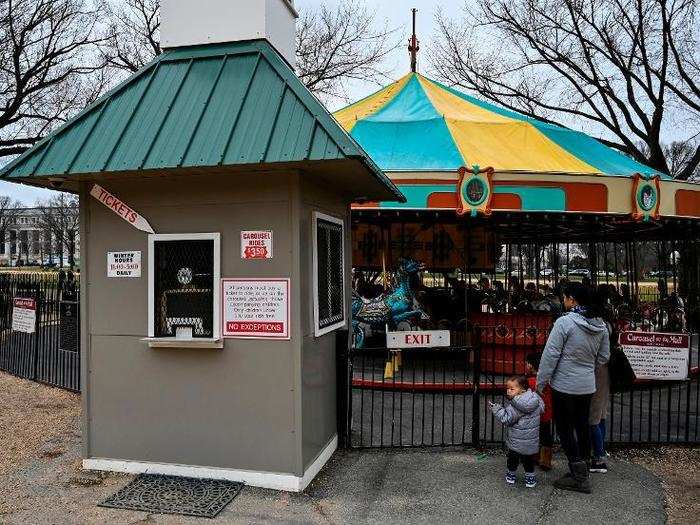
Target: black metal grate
<point>330,293</point>
<point>184,287</point>
<point>175,495</point>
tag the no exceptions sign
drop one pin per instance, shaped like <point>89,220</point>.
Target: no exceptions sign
<point>654,355</point>
<point>120,208</point>
<point>255,308</point>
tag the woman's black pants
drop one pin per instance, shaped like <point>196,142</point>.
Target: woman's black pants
<point>571,420</point>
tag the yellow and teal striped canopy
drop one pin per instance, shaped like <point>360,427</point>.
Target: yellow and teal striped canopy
<point>417,124</point>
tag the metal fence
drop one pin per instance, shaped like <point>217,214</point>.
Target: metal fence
<point>40,327</point>
<point>440,396</point>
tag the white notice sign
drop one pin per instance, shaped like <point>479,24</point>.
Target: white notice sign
<point>654,355</point>
<point>418,339</point>
<point>255,308</point>
<point>24,315</point>
<point>123,264</point>
<point>256,245</point>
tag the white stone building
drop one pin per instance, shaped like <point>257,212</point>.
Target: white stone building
<point>28,242</point>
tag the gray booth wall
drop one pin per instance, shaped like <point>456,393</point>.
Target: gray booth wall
<point>255,404</point>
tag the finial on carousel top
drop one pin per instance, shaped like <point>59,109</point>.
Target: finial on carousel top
<point>413,47</point>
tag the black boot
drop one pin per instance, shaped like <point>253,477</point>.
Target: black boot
<point>577,481</point>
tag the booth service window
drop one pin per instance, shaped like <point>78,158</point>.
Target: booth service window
<point>183,277</point>
<point>328,268</point>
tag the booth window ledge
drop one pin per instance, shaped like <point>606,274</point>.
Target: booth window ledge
<point>172,342</point>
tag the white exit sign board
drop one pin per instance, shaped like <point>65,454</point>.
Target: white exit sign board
<point>256,244</point>
<point>418,339</point>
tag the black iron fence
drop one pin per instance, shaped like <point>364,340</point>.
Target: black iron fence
<point>40,327</point>
<point>440,396</point>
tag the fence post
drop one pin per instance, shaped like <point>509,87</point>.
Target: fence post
<point>476,396</point>
<point>343,387</point>
<point>37,325</point>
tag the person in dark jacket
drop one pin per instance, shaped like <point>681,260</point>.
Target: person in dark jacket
<point>577,345</point>
<point>521,416</point>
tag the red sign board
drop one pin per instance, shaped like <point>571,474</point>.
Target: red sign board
<point>256,244</point>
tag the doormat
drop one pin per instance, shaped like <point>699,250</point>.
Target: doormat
<point>175,495</point>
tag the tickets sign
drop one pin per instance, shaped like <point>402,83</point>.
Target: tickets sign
<point>24,315</point>
<point>120,208</point>
<point>654,355</point>
<point>123,264</point>
<point>255,308</point>
<point>256,244</point>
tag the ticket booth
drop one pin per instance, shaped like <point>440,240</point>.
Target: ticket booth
<point>214,211</point>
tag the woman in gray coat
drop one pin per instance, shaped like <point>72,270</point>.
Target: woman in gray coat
<point>521,416</point>
<point>577,345</point>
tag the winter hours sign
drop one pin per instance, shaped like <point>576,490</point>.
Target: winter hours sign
<point>255,308</point>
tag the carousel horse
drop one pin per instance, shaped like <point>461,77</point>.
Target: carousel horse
<point>390,308</point>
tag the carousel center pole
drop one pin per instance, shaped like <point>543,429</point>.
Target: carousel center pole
<point>413,44</point>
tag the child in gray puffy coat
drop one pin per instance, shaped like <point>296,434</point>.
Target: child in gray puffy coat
<point>521,416</point>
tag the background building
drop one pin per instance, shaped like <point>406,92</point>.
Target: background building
<point>40,235</point>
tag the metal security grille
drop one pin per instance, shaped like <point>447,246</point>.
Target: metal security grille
<point>329,251</point>
<point>184,287</point>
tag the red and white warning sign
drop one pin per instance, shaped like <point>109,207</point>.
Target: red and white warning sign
<point>120,208</point>
<point>255,308</point>
<point>24,315</point>
<point>256,244</point>
<point>655,355</point>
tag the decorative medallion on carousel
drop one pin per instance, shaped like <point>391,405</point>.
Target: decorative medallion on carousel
<point>474,191</point>
<point>645,197</point>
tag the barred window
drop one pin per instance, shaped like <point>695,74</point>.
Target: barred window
<point>329,273</point>
<point>183,291</point>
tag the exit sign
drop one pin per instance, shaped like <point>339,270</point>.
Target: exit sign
<point>418,339</point>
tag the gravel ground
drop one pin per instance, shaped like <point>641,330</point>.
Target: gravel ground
<point>678,469</point>
<point>36,422</point>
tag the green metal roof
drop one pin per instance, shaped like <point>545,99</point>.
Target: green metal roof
<point>203,106</point>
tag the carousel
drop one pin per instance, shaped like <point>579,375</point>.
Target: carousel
<point>501,210</point>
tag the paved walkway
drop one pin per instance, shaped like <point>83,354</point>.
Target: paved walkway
<point>399,486</point>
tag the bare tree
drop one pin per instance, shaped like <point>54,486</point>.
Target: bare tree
<point>8,216</point>
<point>59,216</point>
<point>333,45</point>
<point>620,66</point>
<point>679,156</point>
<point>47,71</point>
<point>133,36</point>
<point>341,44</point>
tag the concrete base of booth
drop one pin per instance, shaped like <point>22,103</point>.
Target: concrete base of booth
<point>268,480</point>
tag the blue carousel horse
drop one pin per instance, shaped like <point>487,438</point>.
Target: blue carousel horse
<point>390,308</point>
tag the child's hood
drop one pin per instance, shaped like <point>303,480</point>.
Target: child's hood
<point>528,402</point>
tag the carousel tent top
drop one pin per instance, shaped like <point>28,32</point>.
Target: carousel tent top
<point>417,124</point>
